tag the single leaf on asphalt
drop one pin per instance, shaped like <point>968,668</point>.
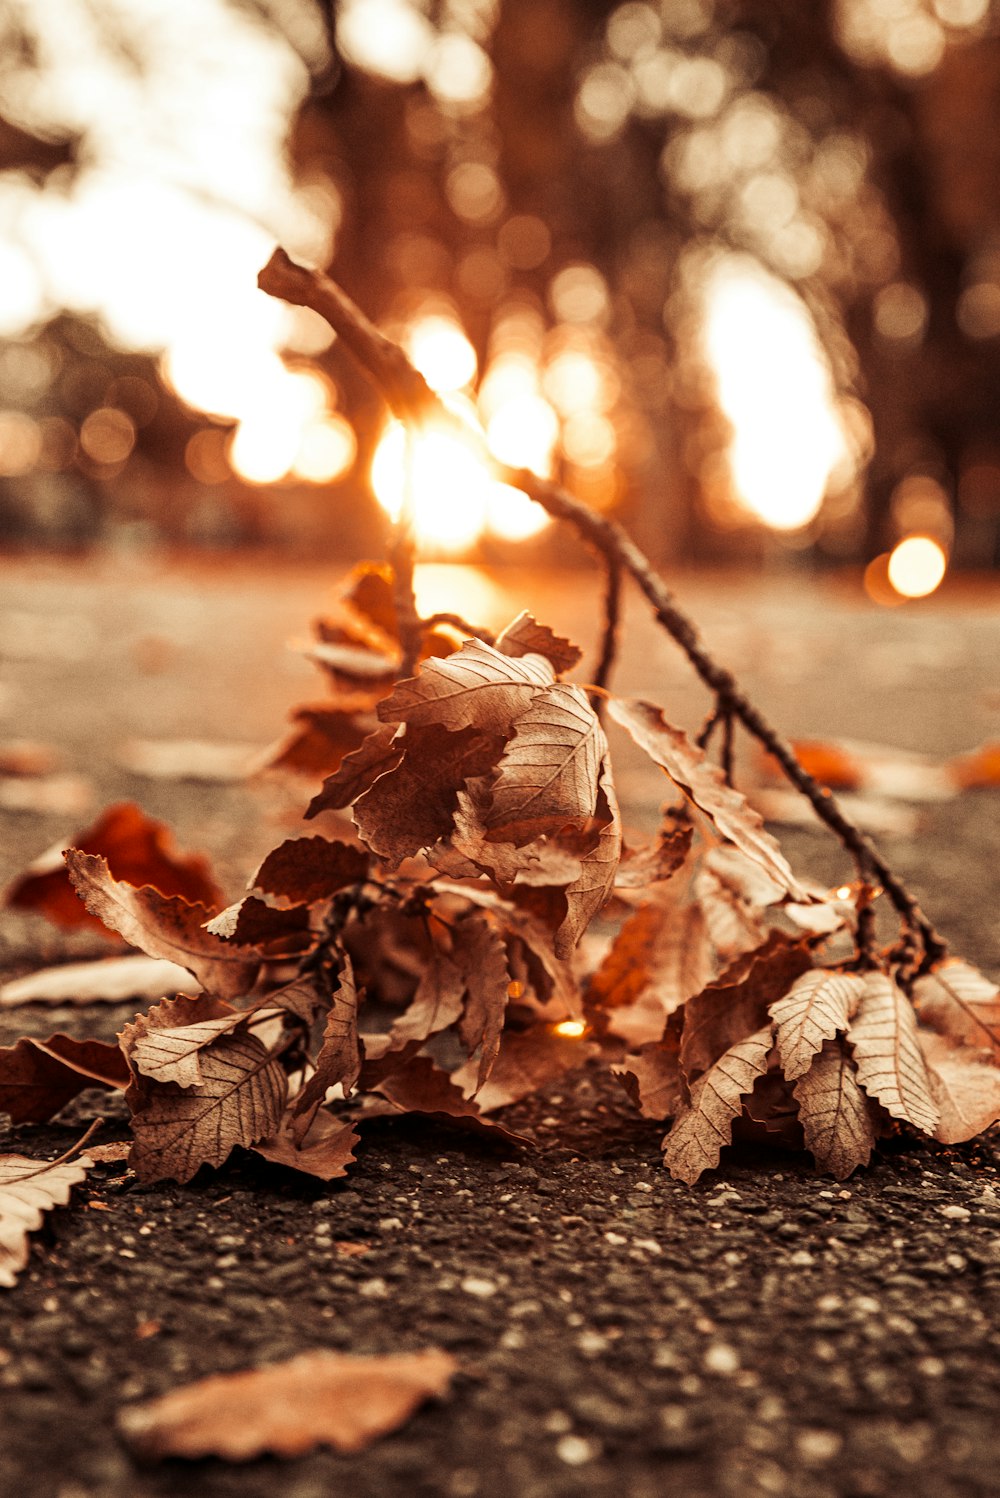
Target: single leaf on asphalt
<point>162,926</point>
<point>547,776</point>
<point>38,1077</point>
<point>304,869</point>
<point>965,1088</point>
<point>957,1000</point>
<point>239,1101</point>
<point>318,1398</point>
<point>138,849</point>
<point>29,1189</point>
<point>700,1131</point>
<point>339,1059</point>
<point>381,751</point>
<point>890,1064</point>
<point>836,1116</point>
<point>412,806</point>
<point>107,980</point>
<point>528,1060</point>
<point>525,636</point>
<point>477,687</point>
<point>736,1003</point>
<point>815,1008</point>
<point>707,787</point>
<point>326,1149</point>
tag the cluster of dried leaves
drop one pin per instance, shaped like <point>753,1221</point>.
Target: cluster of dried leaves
<point>431,956</point>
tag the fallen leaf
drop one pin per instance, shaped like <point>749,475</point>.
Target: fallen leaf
<point>887,1055</point>
<point>323,735</point>
<point>479,954</point>
<point>656,861</point>
<point>736,1004</point>
<point>590,891</point>
<point>976,770</point>
<point>304,869</point>
<point>28,758</point>
<point>254,922</point>
<point>325,1151</point>
<point>138,850</point>
<point>196,760</point>
<point>700,1131</point>
<point>380,752</point>
<point>166,1043</point>
<point>733,925</point>
<point>39,1077</point>
<point>527,1061</point>
<point>339,1059</point>
<point>873,769</point>
<point>964,1087</point>
<point>239,1101</point>
<point>163,926</point>
<point>661,957</point>
<point>547,776</point>
<point>109,1154</point>
<point>318,1398</point>
<point>107,980</point>
<point>705,784</point>
<point>477,687</point>
<point>817,1006</point>
<point>835,1114</point>
<point>437,1003</point>
<point>420,1086</point>
<point>957,1000</point>
<point>653,1079</point>
<point>29,1189</point>
<point>65,795</point>
<point>525,636</point>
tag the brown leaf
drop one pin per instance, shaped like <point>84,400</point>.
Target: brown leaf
<point>543,862</point>
<point>326,1149</point>
<point>38,1077</point>
<point>589,893</point>
<point>64,795</point>
<point>733,925</point>
<point>239,1101</point>
<point>317,1398</point>
<point>525,636</point>
<point>835,1114</point>
<point>381,751</point>
<point>368,593</point>
<point>198,760</point>
<point>437,1003</point>
<point>29,1189</point>
<point>138,850</point>
<point>979,768</point>
<point>354,666</point>
<point>705,784</point>
<point>887,1055</point>
<point>816,1007</point>
<point>480,956</point>
<point>420,1086</point>
<point>304,869</point>
<point>530,948</point>
<point>547,776</point>
<point>163,926</point>
<point>28,758</point>
<point>700,1131</point>
<point>661,957</point>
<point>254,922</point>
<point>412,806</point>
<point>743,876</point>
<point>107,980</point>
<point>964,1087</point>
<point>167,1043</point>
<point>339,1059</point>
<point>652,1076</point>
<point>477,687</point>
<point>957,1000</point>
<point>652,863</point>
<point>323,734</point>
<point>528,1060</point>
<point>736,1003</point>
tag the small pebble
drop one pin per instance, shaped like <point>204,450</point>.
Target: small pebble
<point>575,1451</point>
<point>482,1289</point>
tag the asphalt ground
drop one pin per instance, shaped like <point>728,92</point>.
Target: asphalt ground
<point>766,1332</point>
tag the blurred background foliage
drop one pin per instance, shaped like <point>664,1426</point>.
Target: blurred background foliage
<point>728,267</point>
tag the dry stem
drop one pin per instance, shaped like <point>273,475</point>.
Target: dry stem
<point>411,399</point>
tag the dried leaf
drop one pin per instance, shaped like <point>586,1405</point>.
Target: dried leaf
<point>957,1000</point>
<point>420,1086</point>
<point>28,758</point>
<point>816,1007</point>
<point>437,1003</point>
<point>29,1189</point>
<point>304,869</point>
<point>661,957</point>
<point>166,1044</point>
<point>527,1061</point>
<point>477,687</point>
<point>547,776</point>
<point>65,795</point>
<point>706,786</point>
<point>480,956</point>
<point>39,1077</point>
<point>736,1003</point>
<point>887,1055</point>
<point>525,636</point>
<point>138,849</point>
<point>254,922</point>
<point>108,980</point>
<point>412,806</point>
<point>163,926</point>
<point>964,1087</point>
<point>835,1114</point>
<point>323,734</point>
<point>542,862</point>
<point>353,666</point>
<point>317,1398</point>
<point>978,769</point>
<point>381,751</point>
<point>189,759</point>
<point>326,1149</point>
<point>654,862</point>
<point>589,893</point>
<point>339,1059</point>
<point>238,1102</point>
<point>743,876</point>
<point>733,926</point>
<point>652,1076</point>
<point>700,1131</point>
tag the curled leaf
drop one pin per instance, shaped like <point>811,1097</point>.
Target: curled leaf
<point>700,1131</point>
<point>890,1065</point>
<point>965,1089</point>
<point>477,687</point>
<point>816,1007</point>
<point>39,1077</point>
<point>325,1150</point>
<point>525,636</point>
<point>29,1189</point>
<point>957,1000</point>
<point>835,1114</point>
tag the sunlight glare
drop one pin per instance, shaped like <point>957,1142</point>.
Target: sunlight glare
<point>449,478</point>
<point>572,1028</point>
<point>523,433</point>
<point>917,566</point>
<point>512,516</point>
<point>441,352</point>
<point>775,387</point>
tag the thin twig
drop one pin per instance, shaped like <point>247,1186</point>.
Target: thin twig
<point>410,397</point>
<point>462,625</point>
<point>612,620</point>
